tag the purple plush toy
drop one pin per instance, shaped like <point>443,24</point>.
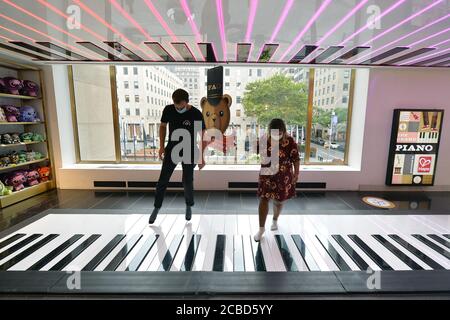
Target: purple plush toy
<point>12,85</point>
<point>11,112</point>
<point>32,177</point>
<point>30,88</point>
<point>28,114</point>
<point>16,180</point>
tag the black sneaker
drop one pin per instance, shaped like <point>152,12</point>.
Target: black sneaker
<point>188,213</point>
<point>153,216</point>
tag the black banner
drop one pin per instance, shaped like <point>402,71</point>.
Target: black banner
<point>215,85</point>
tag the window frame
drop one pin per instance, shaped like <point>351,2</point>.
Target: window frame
<point>115,113</point>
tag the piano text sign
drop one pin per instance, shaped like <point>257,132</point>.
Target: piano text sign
<point>414,146</point>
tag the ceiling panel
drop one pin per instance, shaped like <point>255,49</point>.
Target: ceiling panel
<point>342,32</point>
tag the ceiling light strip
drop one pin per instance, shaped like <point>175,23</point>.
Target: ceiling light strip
<point>326,54</point>
<point>17,33</point>
<point>308,25</point>
<point>43,34</point>
<point>110,27</point>
<point>441,64</point>
<point>102,52</point>
<point>42,20</point>
<point>5,38</point>
<point>284,14</point>
<point>426,57</point>
<point>192,24</point>
<point>23,52</point>
<point>221,22</point>
<point>161,21</point>
<point>428,38</point>
<point>403,22</point>
<point>65,16</point>
<point>251,20</point>
<point>429,61</point>
<point>369,23</point>
<point>401,38</point>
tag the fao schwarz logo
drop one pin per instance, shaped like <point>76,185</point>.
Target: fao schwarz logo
<point>186,123</point>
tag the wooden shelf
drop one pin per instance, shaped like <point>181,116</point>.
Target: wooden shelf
<point>22,164</point>
<point>22,123</point>
<point>20,144</point>
<point>17,96</point>
<point>25,193</point>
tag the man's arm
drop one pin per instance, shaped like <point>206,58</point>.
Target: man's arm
<point>162,138</point>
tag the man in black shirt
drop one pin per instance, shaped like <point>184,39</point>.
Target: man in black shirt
<point>185,125</point>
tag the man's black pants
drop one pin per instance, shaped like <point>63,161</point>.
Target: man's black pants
<point>167,169</point>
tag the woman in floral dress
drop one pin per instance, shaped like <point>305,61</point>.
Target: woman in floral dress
<point>277,181</point>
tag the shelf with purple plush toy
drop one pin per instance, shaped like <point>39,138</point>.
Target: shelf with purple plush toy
<point>25,168</point>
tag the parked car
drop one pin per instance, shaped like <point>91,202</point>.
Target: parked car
<point>334,145</point>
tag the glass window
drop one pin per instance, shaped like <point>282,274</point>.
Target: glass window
<point>127,98</point>
<point>138,111</point>
<point>329,124</point>
<point>135,71</point>
<point>136,85</point>
<point>126,85</point>
<point>136,98</point>
<point>127,111</point>
<point>125,70</point>
<point>259,72</point>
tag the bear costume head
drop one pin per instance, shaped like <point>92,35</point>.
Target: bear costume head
<point>217,116</point>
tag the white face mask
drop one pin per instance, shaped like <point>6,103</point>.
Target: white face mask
<point>182,110</point>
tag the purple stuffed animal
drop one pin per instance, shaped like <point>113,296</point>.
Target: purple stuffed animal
<point>11,112</point>
<point>32,177</point>
<point>30,88</point>
<point>12,85</point>
<point>16,180</point>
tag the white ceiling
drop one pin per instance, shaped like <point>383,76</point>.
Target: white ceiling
<point>402,32</point>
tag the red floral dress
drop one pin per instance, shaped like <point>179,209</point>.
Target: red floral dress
<point>277,182</point>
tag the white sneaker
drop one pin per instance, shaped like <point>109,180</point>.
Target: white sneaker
<point>274,226</point>
<point>259,234</point>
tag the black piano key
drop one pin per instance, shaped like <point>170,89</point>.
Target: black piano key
<point>399,254</point>
<point>75,253</point>
<point>440,240</point>
<point>335,256</point>
<point>432,245</point>
<point>258,257</point>
<point>99,257</point>
<point>191,252</point>
<point>286,255</point>
<point>419,254</point>
<point>362,265</point>
<point>306,255</point>
<point>11,239</point>
<point>166,264</point>
<point>122,254</point>
<point>19,257</point>
<point>447,236</point>
<point>219,254</point>
<point>142,254</point>
<point>19,245</point>
<point>372,254</point>
<point>54,253</point>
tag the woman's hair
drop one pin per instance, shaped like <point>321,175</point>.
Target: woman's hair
<point>277,124</point>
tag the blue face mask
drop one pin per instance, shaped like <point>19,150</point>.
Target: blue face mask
<point>182,110</point>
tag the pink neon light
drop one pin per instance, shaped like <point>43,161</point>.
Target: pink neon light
<point>251,19</point>
<point>101,20</point>
<point>440,43</point>
<point>429,37</point>
<point>5,38</point>
<point>220,19</point>
<point>65,16</point>
<point>17,33</point>
<point>388,10</point>
<point>297,39</point>
<point>191,21</point>
<point>42,20</point>
<point>47,36</point>
<point>402,22</point>
<point>399,39</point>
<point>283,16</point>
<point>161,20</point>
<point>425,57</point>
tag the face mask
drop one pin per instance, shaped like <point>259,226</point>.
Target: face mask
<point>182,110</point>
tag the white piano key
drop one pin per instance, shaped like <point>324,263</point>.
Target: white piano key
<point>203,229</point>
<point>189,231</point>
<point>245,232</point>
<point>362,254</point>
<point>286,228</point>
<point>9,257</point>
<point>267,254</point>
<point>6,247</point>
<point>275,252</point>
<point>217,227</point>
<point>230,230</point>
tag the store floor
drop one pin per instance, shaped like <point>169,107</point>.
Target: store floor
<point>327,243</point>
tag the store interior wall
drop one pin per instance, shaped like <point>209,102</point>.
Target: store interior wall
<point>377,93</point>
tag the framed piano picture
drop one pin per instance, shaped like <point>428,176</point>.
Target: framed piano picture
<point>414,147</point>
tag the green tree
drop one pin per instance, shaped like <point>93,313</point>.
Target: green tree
<point>276,97</point>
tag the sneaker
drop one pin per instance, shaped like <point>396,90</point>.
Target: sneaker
<point>274,226</point>
<point>259,234</point>
<point>188,213</point>
<point>153,216</point>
